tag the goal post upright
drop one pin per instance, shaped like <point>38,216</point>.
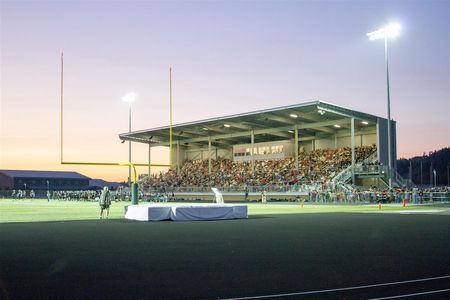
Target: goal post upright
<point>170,124</point>
<point>134,188</point>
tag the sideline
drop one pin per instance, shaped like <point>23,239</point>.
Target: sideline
<point>412,295</point>
<point>404,212</point>
<point>338,289</point>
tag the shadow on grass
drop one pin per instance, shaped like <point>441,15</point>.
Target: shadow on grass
<point>263,216</point>
<point>127,221</point>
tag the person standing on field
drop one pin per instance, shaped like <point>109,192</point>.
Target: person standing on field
<point>104,202</point>
<point>264,197</point>
<point>246,193</point>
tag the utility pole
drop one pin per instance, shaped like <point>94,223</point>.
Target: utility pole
<point>421,173</point>
<point>390,31</point>
<point>410,171</point>
<point>434,173</point>
<point>431,174</point>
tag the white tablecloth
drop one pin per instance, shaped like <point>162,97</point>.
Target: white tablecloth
<point>185,212</point>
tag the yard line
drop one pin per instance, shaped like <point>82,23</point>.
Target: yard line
<point>412,295</point>
<point>404,212</point>
<point>337,289</point>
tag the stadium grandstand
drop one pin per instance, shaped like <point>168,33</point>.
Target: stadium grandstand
<point>288,149</point>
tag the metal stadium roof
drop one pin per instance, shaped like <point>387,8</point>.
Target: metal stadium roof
<point>42,174</point>
<point>312,119</point>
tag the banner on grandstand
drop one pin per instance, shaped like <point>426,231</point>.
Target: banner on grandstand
<point>263,151</point>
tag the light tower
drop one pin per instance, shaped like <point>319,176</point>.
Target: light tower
<point>129,98</point>
<point>390,31</point>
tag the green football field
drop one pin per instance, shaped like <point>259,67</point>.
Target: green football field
<point>39,210</point>
<point>62,250</point>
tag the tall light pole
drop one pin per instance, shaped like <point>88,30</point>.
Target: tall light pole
<point>129,98</point>
<point>421,175</point>
<point>390,31</point>
<point>434,173</point>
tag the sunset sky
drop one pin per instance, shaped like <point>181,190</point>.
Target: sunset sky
<point>227,57</point>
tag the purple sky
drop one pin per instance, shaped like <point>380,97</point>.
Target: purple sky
<point>227,57</point>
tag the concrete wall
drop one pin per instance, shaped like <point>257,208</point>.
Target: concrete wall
<point>306,145</point>
<point>342,139</point>
<point>324,144</point>
<point>202,153</point>
<point>361,139</point>
<point>383,142</point>
<point>181,155</point>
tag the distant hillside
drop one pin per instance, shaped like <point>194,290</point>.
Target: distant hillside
<point>437,160</point>
<point>100,183</point>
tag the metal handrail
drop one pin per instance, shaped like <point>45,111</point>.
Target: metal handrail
<point>345,174</point>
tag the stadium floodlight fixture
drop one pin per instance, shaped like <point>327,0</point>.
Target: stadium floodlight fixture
<point>293,116</point>
<point>227,125</point>
<point>365,122</point>
<point>337,126</point>
<point>390,31</point>
<point>130,97</point>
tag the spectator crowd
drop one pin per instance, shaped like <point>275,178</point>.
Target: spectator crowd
<point>415,195</point>
<point>316,166</point>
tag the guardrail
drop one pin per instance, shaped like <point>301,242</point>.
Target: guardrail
<point>375,197</point>
<point>240,189</point>
<point>313,196</point>
<point>346,174</point>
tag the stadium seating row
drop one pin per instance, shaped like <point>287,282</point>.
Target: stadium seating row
<point>316,166</point>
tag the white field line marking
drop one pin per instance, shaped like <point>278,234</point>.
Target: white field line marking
<point>404,211</point>
<point>337,289</point>
<point>412,295</point>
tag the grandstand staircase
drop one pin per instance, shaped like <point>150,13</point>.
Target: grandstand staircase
<point>367,170</point>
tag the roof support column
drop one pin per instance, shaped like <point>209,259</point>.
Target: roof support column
<point>353,149</point>
<point>296,146</point>
<point>378,141</point>
<point>178,157</point>
<point>253,146</point>
<point>335,139</point>
<point>149,160</point>
<point>209,155</point>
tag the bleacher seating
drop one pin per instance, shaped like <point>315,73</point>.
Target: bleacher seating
<point>316,166</point>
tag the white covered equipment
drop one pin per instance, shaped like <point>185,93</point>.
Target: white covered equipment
<point>185,212</point>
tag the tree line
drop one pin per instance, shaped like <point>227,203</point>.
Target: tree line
<point>421,168</point>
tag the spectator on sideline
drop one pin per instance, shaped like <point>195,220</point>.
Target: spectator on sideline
<point>104,202</point>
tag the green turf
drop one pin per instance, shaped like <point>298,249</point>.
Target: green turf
<point>40,210</point>
<point>265,254</point>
